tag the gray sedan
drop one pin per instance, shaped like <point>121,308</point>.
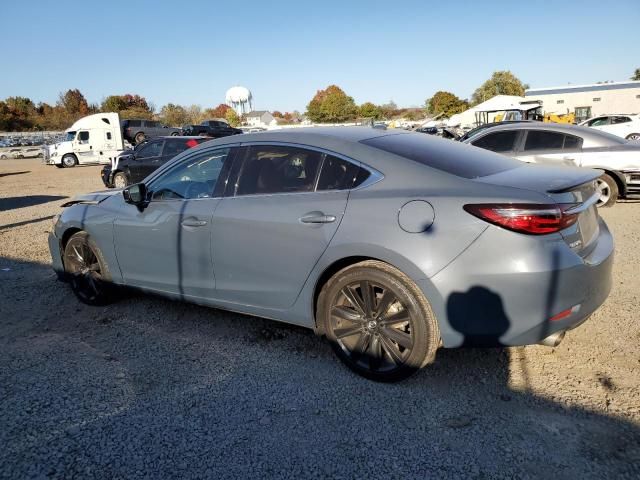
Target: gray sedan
<point>391,244</point>
<point>556,144</point>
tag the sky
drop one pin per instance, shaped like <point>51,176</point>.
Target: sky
<point>284,51</point>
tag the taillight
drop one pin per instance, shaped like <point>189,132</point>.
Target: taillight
<point>530,218</point>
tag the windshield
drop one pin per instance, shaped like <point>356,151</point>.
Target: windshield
<point>70,136</point>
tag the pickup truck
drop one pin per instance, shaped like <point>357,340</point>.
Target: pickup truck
<point>210,128</point>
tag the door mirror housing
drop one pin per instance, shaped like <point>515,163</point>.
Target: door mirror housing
<point>136,194</point>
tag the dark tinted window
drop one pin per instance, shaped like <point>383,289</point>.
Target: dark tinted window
<point>498,142</point>
<point>195,177</point>
<point>84,136</point>
<point>571,142</point>
<point>151,124</point>
<point>172,147</point>
<point>543,140</point>
<point>337,174</point>
<point>275,169</point>
<point>151,149</point>
<point>596,122</point>
<point>620,119</point>
<point>133,123</point>
<point>443,155</point>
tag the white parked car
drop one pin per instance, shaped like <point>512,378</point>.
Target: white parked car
<point>623,125</point>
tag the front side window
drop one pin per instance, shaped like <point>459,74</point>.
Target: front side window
<point>543,140</point>
<point>498,142</point>
<point>151,124</point>
<point>597,122</point>
<point>195,177</point>
<point>83,136</point>
<point>151,149</point>
<point>277,169</point>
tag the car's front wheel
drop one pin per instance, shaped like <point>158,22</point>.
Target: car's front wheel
<point>87,270</point>
<point>69,160</point>
<point>608,190</point>
<point>378,321</point>
<point>120,180</point>
<point>140,137</point>
<point>633,136</point>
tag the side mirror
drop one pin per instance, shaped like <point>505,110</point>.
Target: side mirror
<point>135,194</point>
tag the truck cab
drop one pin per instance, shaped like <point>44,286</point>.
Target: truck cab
<point>94,139</point>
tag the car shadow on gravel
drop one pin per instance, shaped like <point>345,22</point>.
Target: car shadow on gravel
<point>11,203</point>
<point>157,388</point>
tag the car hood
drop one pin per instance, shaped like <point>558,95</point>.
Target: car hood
<point>91,198</point>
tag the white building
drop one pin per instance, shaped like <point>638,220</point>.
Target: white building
<point>588,101</point>
<point>261,118</point>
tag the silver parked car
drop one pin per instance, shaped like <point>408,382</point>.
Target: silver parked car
<point>557,144</point>
<point>389,243</point>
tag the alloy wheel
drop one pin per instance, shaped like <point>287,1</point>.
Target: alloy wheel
<point>604,190</point>
<point>84,268</point>
<point>119,181</point>
<point>372,326</point>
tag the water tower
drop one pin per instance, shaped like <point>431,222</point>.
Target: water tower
<point>240,99</point>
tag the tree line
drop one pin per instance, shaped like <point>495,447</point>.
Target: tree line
<point>331,105</point>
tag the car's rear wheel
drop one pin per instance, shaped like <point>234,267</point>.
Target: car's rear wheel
<point>69,160</point>
<point>175,134</point>
<point>608,190</point>
<point>120,180</point>
<point>378,321</point>
<point>633,136</point>
<point>87,270</point>
<point>140,137</point>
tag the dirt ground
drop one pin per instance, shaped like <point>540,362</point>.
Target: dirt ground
<point>148,387</point>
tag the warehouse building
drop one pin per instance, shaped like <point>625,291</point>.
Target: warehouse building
<point>587,101</point>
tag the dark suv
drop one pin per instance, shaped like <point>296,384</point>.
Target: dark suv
<point>137,131</point>
<point>134,165</point>
<point>211,128</point>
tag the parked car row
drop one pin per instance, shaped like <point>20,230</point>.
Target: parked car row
<point>389,243</point>
<point>137,131</point>
<point>21,153</point>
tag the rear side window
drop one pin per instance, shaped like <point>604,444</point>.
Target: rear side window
<point>571,142</point>
<point>151,124</point>
<point>503,141</point>
<point>620,119</point>
<point>276,169</point>
<point>543,140</point>
<point>443,155</point>
<point>337,174</point>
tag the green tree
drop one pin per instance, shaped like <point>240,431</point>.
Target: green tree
<point>331,105</point>
<point>232,117</point>
<point>369,110</point>
<point>636,74</point>
<point>445,103</point>
<point>174,115</point>
<point>500,83</point>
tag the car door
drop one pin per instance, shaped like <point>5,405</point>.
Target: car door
<point>83,147</point>
<point>621,125</point>
<point>146,160</point>
<point>274,224</point>
<point>166,246</point>
<point>551,148</point>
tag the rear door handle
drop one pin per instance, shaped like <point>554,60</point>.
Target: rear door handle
<point>193,222</point>
<point>318,218</point>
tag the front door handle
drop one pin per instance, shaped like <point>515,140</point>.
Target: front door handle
<point>318,218</point>
<point>193,222</point>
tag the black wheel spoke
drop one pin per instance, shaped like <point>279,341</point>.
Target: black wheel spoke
<point>400,317</point>
<point>388,297</point>
<point>401,338</point>
<point>347,331</point>
<point>345,313</point>
<point>391,350</point>
<point>366,291</point>
<point>375,353</point>
<point>361,346</point>
<point>95,267</point>
<point>354,299</point>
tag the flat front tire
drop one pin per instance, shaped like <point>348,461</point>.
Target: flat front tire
<point>87,270</point>
<point>378,321</point>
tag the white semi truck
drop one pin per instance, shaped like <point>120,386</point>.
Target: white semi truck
<point>92,139</point>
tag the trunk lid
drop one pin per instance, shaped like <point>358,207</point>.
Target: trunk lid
<point>572,188</point>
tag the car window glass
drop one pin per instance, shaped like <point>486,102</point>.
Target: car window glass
<point>337,174</point>
<point>276,169</point>
<point>620,119</point>
<point>133,123</point>
<point>571,142</point>
<point>498,141</point>
<point>596,122</point>
<point>152,149</point>
<point>195,177</point>
<point>173,147</point>
<point>543,140</point>
<point>83,136</point>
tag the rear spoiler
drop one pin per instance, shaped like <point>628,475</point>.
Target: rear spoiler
<point>590,176</point>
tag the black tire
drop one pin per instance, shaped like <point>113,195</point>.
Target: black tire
<point>140,137</point>
<point>633,136</point>
<point>87,270</point>
<point>59,165</point>
<point>120,180</point>
<point>69,160</point>
<point>175,134</point>
<point>609,191</point>
<point>387,345</point>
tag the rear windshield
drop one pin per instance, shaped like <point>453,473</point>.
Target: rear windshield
<point>452,157</point>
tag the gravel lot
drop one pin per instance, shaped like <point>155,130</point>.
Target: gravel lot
<point>153,388</point>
